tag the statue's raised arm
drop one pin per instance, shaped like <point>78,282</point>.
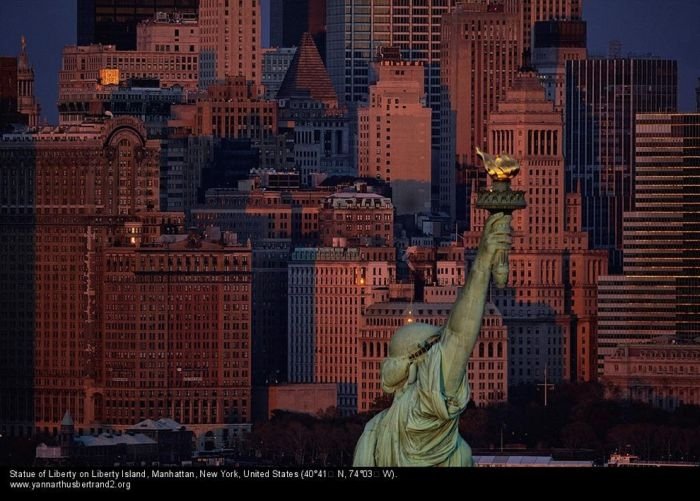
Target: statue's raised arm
<point>464,323</point>
<point>426,370</point>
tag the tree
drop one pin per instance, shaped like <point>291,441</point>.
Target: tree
<point>579,435</point>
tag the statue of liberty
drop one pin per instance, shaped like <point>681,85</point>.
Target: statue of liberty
<point>426,370</point>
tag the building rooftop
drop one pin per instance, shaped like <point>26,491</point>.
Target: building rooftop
<point>358,200</point>
<point>172,18</point>
<point>307,76</point>
<point>109,439</point>
<point>161,424</point>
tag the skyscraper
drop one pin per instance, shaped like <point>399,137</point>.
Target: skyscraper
<point>657,297</point>
<point>113,22</point>
<point>168,33</point>
<point>602,98</point>
<point>394,135</point>
<point>309,112</point>
<point>8,92</point>
<point>231,38</point>
<point>65,195</point>
<point>481,54</point>
<point>290,19</point>
<point>85,69</point>
<point>269,311</point>
<point>276,62</point>
<point>329,288</point>
<point>554,43</point>
<point>532,11</point>
<point>114,314</point>
<point>176,333</point>
<point>18,257</point>
<point>357,219</point>
<point>358,28</point>
<point>549,304</point>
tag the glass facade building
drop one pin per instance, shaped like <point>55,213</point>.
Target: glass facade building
<point>602,99</point>
<point>357,28</point>
<point>658,295</point>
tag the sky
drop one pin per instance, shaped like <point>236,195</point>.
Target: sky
<point>663,28</point>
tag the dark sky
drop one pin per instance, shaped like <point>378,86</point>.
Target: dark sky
<point>664,28</point>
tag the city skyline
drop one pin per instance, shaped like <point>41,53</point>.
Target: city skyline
<point>187,249</point>
<point>653,28</point>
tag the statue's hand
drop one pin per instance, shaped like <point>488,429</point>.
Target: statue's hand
<point>496,237</point>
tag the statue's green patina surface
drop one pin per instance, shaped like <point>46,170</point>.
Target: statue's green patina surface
<point>426,372</point>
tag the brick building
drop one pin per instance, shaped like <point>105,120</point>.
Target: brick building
<point>357,219</point>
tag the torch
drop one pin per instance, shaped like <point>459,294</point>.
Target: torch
<point>500,198</point>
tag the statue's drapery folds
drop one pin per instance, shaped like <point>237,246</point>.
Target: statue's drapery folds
<point>421,427</point>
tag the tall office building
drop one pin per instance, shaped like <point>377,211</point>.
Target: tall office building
<point>549,305</point>
<point>175,333</point>
<point>532,11</point>
<point>290,19</point>
<point>329,288</point>
<point>603,97</point>
<point>358,28</point>
<point>8,92</point>
<point>17,262</point>
<point>231,38</point>
<point>263,214</point>
<point>481,54</point>
<point>309,112</point>
<point>114,22</point>
<point>114,314</point>
<point>555,43</point>
<point>85,71</point>
<point>276,62</point>
<point>269,311</point>
<point>168,33</point>
<point>65,194</point>
<point>657,297</point>
<point>394,135</point>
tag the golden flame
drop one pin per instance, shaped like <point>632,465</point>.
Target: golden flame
<point>501,168</point>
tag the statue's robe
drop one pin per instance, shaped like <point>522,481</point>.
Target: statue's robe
<point>421,428</point>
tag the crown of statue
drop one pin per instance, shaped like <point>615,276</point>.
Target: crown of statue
<point>500,167</point>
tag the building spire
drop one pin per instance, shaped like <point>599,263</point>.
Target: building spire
<point>26,102</point>
<point>23,58</point>
<point>307,75</point>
